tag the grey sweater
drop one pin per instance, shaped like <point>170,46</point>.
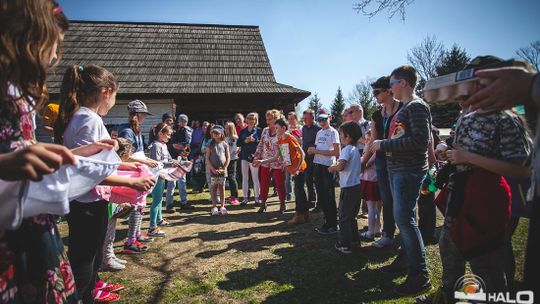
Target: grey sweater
<point>408,152</point>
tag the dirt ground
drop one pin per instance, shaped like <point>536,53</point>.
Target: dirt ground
<point>247,257</point>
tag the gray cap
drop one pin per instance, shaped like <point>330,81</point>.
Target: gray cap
<point>182,117</point>
<point>137,106</point>
<point>218,128</point>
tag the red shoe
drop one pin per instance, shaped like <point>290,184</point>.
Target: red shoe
<point>101,296</point>
<point>109,287</point>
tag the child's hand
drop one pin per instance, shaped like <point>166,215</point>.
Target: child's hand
<point>311,150</point>
<point>151,163</point>
<point>458,156</point>
<point>257,162</point>
<point>34,161</point>
<point>332,169</point>
<point>129,166</point>
<point>143,183</point>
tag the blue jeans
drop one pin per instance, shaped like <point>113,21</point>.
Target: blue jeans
<point>181,190</point>
<point>155,208</point>
<point>288,185</point>
<point>389,225</point>
<point>405,190</point>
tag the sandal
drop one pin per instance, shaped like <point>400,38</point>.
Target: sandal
<point>101,296</point>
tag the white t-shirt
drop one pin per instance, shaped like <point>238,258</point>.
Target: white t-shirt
<point>325,140</point>
<point>350,176</point>
<point>85,127</point>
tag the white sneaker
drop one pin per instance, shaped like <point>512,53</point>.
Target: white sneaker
<point>383,242</point>
<point>119,260</point>
<point>113,265</point>
<point>215,211</point>
<point>223,211</point>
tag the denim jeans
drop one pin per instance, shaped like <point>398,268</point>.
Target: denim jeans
<point>288,185</point>
<point>405,190</point>
<point>155,208</point>
<point>181,183</point>
<point>389,225</point>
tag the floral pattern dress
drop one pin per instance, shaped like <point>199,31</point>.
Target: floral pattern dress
<point>268,148</point>
<point>34,267</point>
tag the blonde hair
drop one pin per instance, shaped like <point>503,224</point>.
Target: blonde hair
<point>125,148</point>
<point>275,114</point>
<point>230,129</point>
<point>254,115</point>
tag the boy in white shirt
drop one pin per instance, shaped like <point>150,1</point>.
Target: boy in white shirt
<point>326,150</point>
<point>348,167</point>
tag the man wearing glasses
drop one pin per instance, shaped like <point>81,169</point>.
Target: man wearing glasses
<point>406,150</point>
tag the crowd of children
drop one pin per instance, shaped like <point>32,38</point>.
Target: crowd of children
<point>384,161</point>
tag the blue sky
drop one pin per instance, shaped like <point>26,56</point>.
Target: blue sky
<point>320,45</point>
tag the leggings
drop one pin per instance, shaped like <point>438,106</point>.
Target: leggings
<point>279,182</point>
<point>134,228</point>
<point>108,245</point>
<point>87,224</point>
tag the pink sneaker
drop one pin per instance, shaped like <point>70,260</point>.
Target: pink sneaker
<point>235,201</point>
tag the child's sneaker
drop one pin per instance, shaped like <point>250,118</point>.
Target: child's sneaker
<point>366,236</point>
<point>134,247</point>
<point>234,201</point>
<point>144,238</point>
<point>110,287</point>
<point>164,223</point>
<point>119,260</point>
<point>101,296</point>
<point>156,231</point>
<point>223,211</point>
<point>244,201</point>
<point>112,265</point>
<point>383,242</point>
<point>342,248</point>
<point>215,211</point>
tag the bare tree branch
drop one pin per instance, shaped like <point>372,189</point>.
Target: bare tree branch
<point>531,53</point>
<point>371,8</point>
<point>426,56</point>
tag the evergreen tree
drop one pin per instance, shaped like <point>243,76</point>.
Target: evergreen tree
<point>452,61</point>
<point>315,103</point>
<point>337,109</point>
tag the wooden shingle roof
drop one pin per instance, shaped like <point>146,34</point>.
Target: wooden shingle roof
<point>162,58</point>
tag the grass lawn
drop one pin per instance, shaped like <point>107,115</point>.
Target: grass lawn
<point>246,257</point>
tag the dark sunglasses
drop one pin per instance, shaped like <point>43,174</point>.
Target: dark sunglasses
<point>322,119</point>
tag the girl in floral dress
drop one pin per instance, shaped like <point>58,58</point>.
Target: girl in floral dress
<point>33,264</point>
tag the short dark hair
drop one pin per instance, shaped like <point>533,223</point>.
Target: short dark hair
<point>310,112</point>
<point>406,72</point>
<point>381,83</point>
<point>282,123</point>
<point>351,129</point>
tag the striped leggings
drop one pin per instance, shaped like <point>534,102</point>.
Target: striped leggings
<point>134,228</point>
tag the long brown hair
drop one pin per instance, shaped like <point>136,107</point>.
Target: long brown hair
<point>80,85</point>
<point>28,31</point>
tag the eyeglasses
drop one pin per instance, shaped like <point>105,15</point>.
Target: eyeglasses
<point>393,82</point>
<point>321,119</point>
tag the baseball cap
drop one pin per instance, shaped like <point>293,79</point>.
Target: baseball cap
<point>137,106</point>
<point>218,128</point>
<point>322,113</point>
<point>182,117</point>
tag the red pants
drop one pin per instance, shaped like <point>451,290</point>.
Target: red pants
<point>279,182</point>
